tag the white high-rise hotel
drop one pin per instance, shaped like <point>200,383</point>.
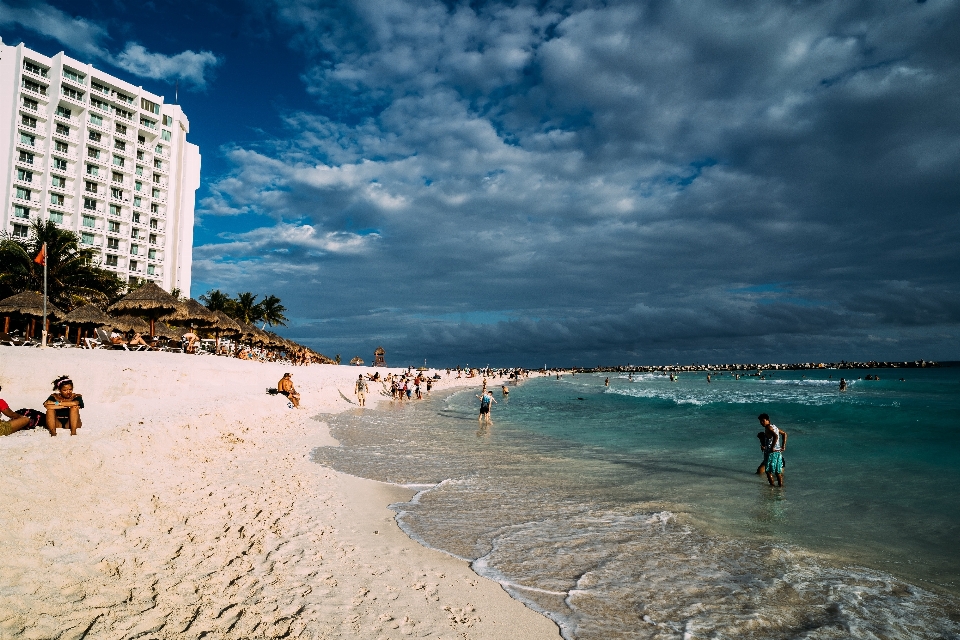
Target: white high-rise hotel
<point>100,157</point>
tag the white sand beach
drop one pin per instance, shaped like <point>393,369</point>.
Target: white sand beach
<point>188,507</point>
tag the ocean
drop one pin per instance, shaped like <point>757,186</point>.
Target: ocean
<point>633,510</point>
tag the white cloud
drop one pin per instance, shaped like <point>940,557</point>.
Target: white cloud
<point>190,66</point>
<point>87,39</point>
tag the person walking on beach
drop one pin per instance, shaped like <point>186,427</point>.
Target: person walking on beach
<point>773,444</point>
<point>360,389</point>
<point>486,401</point>
<point>285,386</point>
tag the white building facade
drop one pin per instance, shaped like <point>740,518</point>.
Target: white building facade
<point>102,158</point>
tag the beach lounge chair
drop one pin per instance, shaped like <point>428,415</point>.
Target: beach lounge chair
<point>106,343</point>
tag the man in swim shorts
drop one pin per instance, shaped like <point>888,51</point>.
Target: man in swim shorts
<point>360,388</point>
<point>774,445</point>
<point>486,400</point>
<point>285,386</point>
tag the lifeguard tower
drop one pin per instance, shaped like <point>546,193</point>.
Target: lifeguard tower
<point>378,360</point>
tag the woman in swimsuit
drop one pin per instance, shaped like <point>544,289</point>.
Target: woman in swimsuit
<point>63,407</point>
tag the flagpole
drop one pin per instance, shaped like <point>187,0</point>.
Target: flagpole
<point>43,326</point>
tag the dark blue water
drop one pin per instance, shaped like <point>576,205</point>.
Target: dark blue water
<point>633,510</point>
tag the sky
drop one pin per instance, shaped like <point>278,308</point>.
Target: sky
<point>563,183</point>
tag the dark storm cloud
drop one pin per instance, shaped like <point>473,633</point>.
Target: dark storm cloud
<point>602,180</point>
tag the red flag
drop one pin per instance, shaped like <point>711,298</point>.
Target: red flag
<point>42,256</point>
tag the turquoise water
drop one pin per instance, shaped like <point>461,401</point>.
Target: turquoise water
<point>633,510</point>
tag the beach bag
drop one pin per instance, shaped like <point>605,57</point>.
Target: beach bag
<point>36,417</point>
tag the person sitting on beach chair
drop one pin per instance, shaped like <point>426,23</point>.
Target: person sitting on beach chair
<point>16,422</point>
<point>138,340</point>
<point>285,386</point>
<point>63,407</point>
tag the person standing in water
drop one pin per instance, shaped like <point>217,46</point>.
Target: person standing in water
<point>486,401</point>
<point>774,444</point>
<point>843,385</point>
<point>606,382</point>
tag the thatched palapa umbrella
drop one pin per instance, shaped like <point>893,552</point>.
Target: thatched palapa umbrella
<point>85,317</point>
<point>149,301</point>
<point>224,324</point>
<point>166,331</point>
<point>130,323</point>
<point>28,304</point>
<point>190,311</point>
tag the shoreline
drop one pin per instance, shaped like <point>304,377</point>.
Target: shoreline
<point>188,504</point>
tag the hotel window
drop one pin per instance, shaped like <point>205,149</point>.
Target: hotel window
<point>157,164</point>
<point>63,130</point>
<point>90,203</point>
<point>153,238</point>
<point>150,124</point>
<point>93,135</point>
<point>30,85</point>
<point>30,104</point>
<point>114,227</point>
<point>73,75</point>
<point>134,233</point>
<point>117,177</point>
<point>86,238</point>
<point>112,260</point>
<point>134,249</point>
<point>24,176</point>
<point>20,231</point>
<point>23,194</point>
<point>27,121</point>
<point>116,193</point>
<point>150,269</point>
<point>115,210</point>
<point>139,170</point>
<point>95,119</point>
<point>113,243</point>
<point>93,170</point>
<point>96,86</point>
<point>56,199</point>
<point>153,224</point>
<point>167,121</point>
<point>154,208</point>
<point>93,153</point>
<point>27,139</point>
<point>152,254</point>
<point>121,129</point>
<point>126,115</point>
<point>100,104</point>
<point>152,107</point>
<point>56,216</point>
<point>159,149</point>
<point>73,94</point>
<point>63,112</point>
<point>59,165</point>
<point>136,201</point>
<point>133,265</point>
<point>58,182</point>
<point>91,187</point>
<point>33,67</point>
<point>20,211</point>
<point>120,145</point>
<point>124,98</point>
<point>138,186</point>
<point>156,193</point>
<point>139,155</point>
<point>118,161</point>
<point>165,135</point>
<point>89,221</point>
<point>25,156</point>
<point>61,147</point>
<point>156,178</point>
<point>136,217</point>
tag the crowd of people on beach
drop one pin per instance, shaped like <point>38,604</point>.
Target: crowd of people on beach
<point>61,410</point>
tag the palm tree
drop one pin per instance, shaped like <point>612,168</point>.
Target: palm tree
<point>73,276</point>
<point>247,308</point>
<point>217,300</point>
<point>271,311</point>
